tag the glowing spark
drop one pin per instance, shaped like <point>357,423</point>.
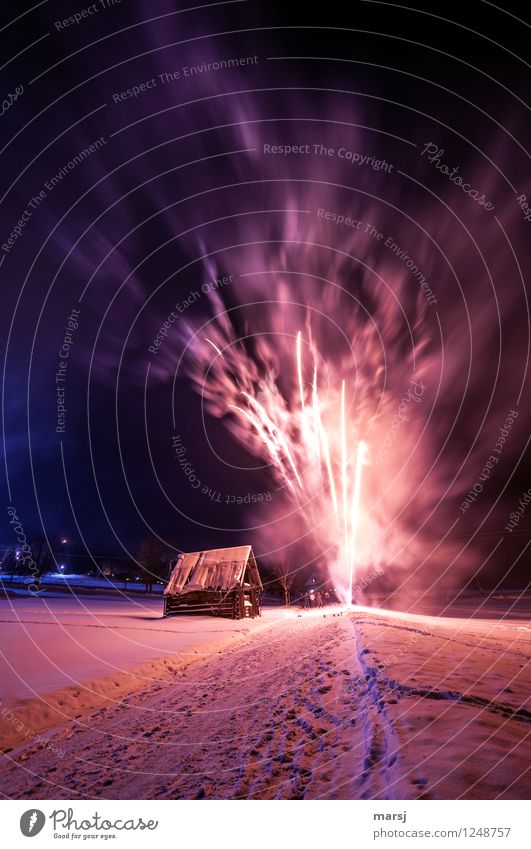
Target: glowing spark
<point>299,369</point>
<point>215,347</point>
<point>316,414</point>
<point>274,431</point>
<point>299,445</point>
<point>323,440</point>
<point>344,476</point>
<point>331,481</point>
<point>269,433</point>
<point>360,460</point>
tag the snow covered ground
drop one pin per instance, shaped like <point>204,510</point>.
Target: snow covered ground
<point>47,644</point>
<point>65,655</point>
<point>368,704</point>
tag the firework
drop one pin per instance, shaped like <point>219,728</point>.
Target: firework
<point>301,447</point>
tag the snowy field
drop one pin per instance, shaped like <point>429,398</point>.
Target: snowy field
<point>369,704</point>
<point>62,655</point>
<point>48,644</point>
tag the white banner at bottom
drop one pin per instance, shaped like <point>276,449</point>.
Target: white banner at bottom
<point>262,824</point>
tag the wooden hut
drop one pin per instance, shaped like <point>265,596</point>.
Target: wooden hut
<point>220,582</point>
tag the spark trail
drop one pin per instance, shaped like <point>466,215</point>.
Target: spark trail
<point>303,450</point>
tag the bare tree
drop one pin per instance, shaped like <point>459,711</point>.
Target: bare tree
<point>128,575</point>
<point>42,555</point>
<point>285,576</point>
<point>10,562</point>
<point>151,558</point>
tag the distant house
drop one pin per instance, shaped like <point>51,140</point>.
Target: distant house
<point>220,582</point>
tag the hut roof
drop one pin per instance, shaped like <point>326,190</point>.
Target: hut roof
<point>217,569</point>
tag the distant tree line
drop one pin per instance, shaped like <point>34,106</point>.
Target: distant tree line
<point>46,554</point>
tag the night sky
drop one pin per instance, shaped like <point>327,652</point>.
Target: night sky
<point>135,176</point>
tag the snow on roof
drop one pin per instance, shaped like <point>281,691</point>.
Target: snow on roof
<point>219,568</point>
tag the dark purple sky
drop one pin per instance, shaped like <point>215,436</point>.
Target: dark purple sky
<point>122,168</point>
